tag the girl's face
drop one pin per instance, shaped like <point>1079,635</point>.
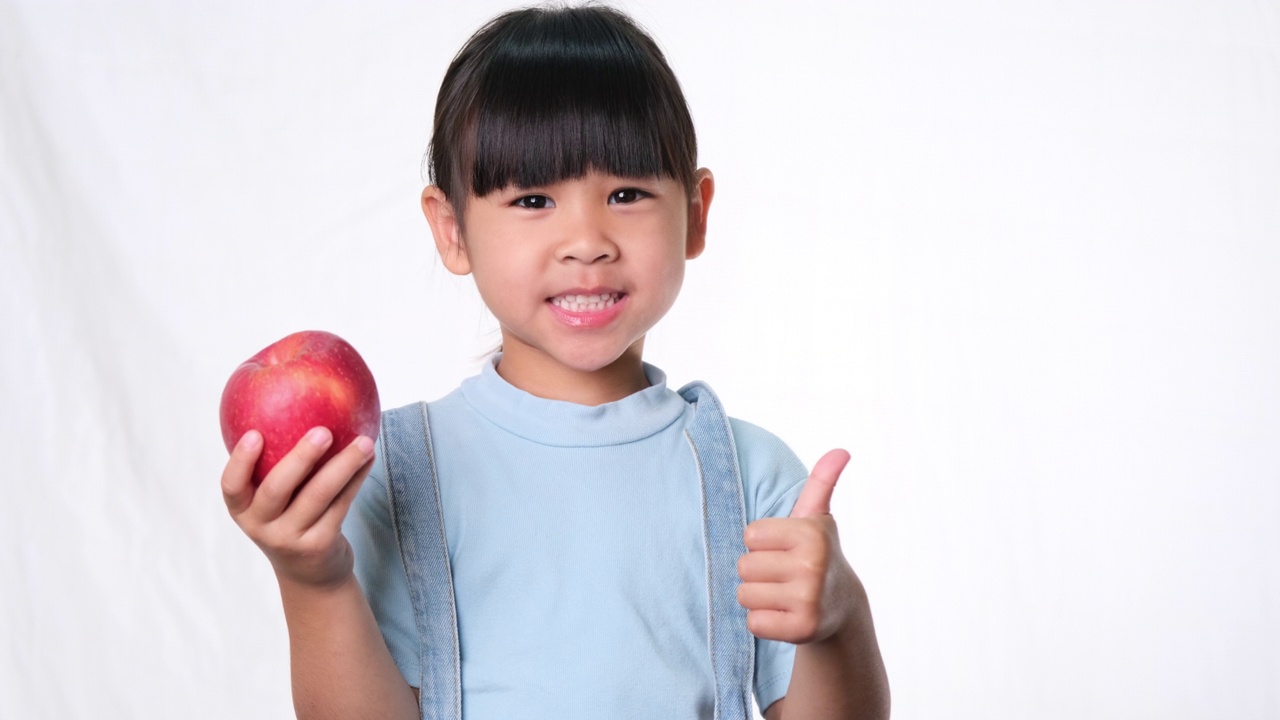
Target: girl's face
<point>578,271</point>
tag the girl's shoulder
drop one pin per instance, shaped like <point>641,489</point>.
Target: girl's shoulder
<point>772,474</point>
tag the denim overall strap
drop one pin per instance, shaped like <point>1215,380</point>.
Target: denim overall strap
<point>733,649</point>
<point>419,526</point>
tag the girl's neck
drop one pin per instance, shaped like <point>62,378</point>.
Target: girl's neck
<point>542,376</point>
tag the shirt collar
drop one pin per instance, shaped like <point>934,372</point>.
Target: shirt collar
<point>565,424</point>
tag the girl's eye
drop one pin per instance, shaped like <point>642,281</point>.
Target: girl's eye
<point>534,202</point>
<point>626,196</point>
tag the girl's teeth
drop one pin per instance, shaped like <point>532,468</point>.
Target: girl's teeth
<point>586,303</point>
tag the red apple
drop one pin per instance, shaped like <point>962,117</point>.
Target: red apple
<point>308,379</point>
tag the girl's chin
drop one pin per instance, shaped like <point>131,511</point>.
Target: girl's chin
<point>583,358</point>
<point>589,378</point>
<point>597,362</point>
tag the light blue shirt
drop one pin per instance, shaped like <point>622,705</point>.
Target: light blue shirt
<point>575,540</point>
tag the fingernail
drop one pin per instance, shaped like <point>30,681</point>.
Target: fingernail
<point>365,444</point>
<point>250,440</point>
<point>318,436</point>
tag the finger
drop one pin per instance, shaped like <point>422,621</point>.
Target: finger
<point>765,596</point>
<point>278,487</point>
<point>331,521</point>
<point>766,624</point>
<point>779,625</point>
<point>772,534</point>
<point>766,566</point>
<point>327,484</point>
<point>815,498</point>
<point>787,533</point>
<point>237,476</point>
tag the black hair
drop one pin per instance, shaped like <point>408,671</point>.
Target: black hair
<point>545,94</point>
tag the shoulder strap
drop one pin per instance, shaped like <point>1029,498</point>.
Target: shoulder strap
<point>419,524</point>
<point>733,649</point>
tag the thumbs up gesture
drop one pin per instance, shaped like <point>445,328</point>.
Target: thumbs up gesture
<point>796,585</point>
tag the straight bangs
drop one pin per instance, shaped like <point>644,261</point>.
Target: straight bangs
<point>564,92</point>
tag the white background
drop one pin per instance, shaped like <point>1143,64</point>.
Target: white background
<point>1021,259</point>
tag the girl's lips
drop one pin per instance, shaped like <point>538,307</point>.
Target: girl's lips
<point>568,310</point>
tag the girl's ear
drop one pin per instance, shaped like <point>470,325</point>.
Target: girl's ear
<point>704,187</point>
<point>446,229</point>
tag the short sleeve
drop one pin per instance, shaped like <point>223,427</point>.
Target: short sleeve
<point>380,570</point>
<point>772,478</point>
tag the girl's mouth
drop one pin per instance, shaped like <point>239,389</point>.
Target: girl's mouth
<point>586,303</point>
<point>587,310</point>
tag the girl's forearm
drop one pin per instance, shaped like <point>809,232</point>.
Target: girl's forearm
<point>341,667</point>
<point>842,677</point>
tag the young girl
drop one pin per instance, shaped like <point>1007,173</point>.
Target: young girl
<point>564,536</point>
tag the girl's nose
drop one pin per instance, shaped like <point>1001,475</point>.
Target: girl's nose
<point>587,241</point>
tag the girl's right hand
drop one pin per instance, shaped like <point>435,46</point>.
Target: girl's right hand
<point>298,524</point>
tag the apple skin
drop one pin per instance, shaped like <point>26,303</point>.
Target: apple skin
<point>308,379</point>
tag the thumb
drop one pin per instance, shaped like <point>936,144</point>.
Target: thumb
<point>815,498</point>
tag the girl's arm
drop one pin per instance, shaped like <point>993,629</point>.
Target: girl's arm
<point>842,676</point>
<point>341,667</point>
<point>340,664</point>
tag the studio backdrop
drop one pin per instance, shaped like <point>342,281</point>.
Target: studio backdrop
<point>1022,260</point>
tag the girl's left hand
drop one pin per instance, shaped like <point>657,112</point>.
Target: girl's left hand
<point>796,585</point>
